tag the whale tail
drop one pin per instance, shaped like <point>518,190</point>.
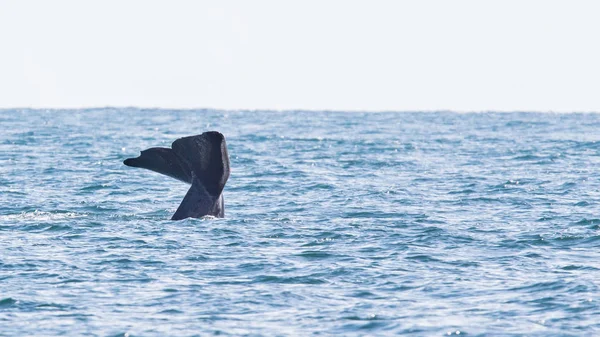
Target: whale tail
<point>197,200</point>
<point>200,160</point>
<point>164,161</point>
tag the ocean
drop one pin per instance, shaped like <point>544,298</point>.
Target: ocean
<point>336,223</point>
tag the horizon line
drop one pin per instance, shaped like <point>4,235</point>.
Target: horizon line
<point>560,111</point>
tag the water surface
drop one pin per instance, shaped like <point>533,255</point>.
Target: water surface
<point>336,224</point>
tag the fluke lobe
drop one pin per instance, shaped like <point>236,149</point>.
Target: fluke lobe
<point>200,160</point>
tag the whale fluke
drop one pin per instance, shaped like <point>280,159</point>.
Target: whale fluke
<point>200,160</point>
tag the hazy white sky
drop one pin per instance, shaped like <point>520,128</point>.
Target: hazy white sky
<point>325,54</point>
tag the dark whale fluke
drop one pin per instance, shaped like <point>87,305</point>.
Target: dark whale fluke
<point>200,160</point>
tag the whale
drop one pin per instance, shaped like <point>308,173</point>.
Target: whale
<point>201,161</point>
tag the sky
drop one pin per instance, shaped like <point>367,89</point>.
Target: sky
<point>376,55</point>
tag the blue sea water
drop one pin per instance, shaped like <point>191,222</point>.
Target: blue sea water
<point>337,223</point>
